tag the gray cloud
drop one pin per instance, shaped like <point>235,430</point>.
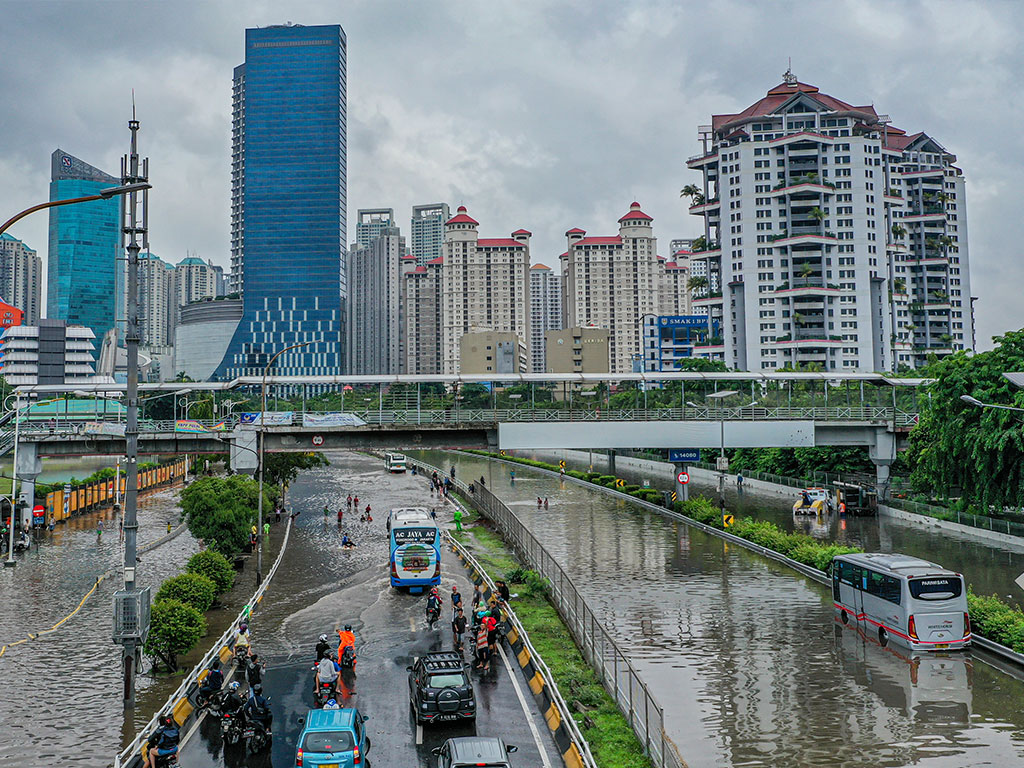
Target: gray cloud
<point>534,114</point>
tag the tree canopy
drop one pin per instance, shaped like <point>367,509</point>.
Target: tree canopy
<point>961,449</point>
<point>221,510</point>
<point>283,468</point>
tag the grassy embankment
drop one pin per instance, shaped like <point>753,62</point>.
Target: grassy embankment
<point>612,741</point>
<point>991,618</point>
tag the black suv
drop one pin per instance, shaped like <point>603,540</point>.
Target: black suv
<point>472,751</point>
<point>439,688</point>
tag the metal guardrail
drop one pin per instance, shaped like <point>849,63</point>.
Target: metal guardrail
<point>128,753</point>
<point>620,678</point>
<point>492,416</point>
<point>549,679</point>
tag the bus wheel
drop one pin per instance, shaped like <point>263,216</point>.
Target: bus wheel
<point>845,617</point>
<point>883,637</point>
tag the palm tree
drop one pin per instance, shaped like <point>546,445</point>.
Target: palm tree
<point>697,282</point>
<point>700,244</point>
<point>942,197</point>
<point>899,285</point>
<point>898,231</point>
<point>798,318</point>
<point>690,190</point>
<point>946,242</point>
<point>806,270</point>
<point>818,215</point>
<point>697,199</point>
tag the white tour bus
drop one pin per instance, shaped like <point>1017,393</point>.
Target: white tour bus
<point>395,462</point>
<point>910,602</point>
<point>403,515</point>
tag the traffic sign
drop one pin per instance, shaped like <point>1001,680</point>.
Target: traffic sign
<point>674,496</point>
<point>727,520</point>
<point>562,464</point>
<point>620,483</point>
<point>684,455</point>
<point>683,478</point>
<point>318,439</point>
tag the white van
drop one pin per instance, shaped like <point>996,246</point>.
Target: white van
<point>910,602</point>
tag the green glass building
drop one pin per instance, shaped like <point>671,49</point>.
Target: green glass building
<point>84,268</point>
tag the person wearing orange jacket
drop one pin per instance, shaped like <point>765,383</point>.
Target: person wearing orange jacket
<point>346,638</point>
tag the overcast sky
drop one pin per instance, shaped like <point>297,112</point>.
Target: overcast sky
<point>532,114</point>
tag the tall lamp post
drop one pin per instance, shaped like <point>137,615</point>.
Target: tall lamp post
<point>723,463</point>
<point>263,414</point>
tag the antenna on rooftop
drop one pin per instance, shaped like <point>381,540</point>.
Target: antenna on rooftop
<point>789,78</point>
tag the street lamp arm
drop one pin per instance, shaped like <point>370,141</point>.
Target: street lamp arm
<point>103,194</point>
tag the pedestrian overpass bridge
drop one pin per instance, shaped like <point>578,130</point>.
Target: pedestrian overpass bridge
<point>528,411</point>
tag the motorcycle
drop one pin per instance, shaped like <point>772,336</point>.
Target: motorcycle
<point>241,655</point>
<point>212,700</point>
<point>166,761</point>
<point>232,725</point>
<point>433,614</point>
<point>324,693</point>
<point>348,657</point>
<point>22,545</point>
<point>257,737</point>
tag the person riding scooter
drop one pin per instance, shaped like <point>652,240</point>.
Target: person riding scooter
<point>322,648</point>
<point>346,642</point>
<point>211,683</point>
<point>164,742</point>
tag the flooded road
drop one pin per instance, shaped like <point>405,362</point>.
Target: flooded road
<point>745,655</point>
<point>62,699</point>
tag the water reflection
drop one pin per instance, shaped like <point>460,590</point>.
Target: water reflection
<point>742,653</point>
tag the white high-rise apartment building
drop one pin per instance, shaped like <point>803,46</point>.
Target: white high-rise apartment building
<point>421,324</point>
<point>484,286</point>
<point>426,238</point>
<point>674,293</point>
<point>371,224</point>
<point>375,307</point>
<point>612,282</point>
<point>194,280</point>
<point>545,311</point>
<point>157,312</point>
<point>21,275</point>
<point>837,240</point>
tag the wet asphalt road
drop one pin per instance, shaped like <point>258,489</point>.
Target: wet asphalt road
<point>318,588</point>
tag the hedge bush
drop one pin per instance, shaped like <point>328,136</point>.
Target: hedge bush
<point>190,588</point>
<point>215,567</point>
<point>174,629</point>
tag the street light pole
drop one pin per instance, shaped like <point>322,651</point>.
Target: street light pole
<point>263,426</point>
<point>103,194</point>
<point>11,562</point>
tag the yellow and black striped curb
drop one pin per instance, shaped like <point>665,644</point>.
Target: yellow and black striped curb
<point>569,751</point>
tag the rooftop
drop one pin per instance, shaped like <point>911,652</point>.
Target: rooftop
<point>635,214</point>
<point>783,93</point>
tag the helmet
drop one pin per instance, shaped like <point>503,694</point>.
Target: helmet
<point>323,638</point>
<point>254,529</point>
<point>233,685</point>
<point>257,688</point>
<point>167,719</point>
<point>433,590</point>
<point>243,627</point>
<point>348,627</point>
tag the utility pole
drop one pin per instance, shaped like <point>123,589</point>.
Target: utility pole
<point>131,604</point>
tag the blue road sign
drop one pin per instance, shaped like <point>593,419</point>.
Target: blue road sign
<point>683,455</point>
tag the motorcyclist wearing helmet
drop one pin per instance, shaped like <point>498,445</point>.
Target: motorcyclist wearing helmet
<point>257,708</point>
<point>164,741</point>
<point>212,682</point>
<point>346,638</point>
<point>233,700</point>
<point>434,600</point>
<point>322,648</point>
<point>242,638</point>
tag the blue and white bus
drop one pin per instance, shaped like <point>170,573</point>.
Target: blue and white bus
<point>415,554</point>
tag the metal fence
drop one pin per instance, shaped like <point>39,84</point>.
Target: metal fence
<point>620,678</point>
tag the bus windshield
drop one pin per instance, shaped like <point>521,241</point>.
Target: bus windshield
<point>404,535</point>
<point>940,588</point>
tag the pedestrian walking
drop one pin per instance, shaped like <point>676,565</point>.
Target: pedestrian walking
<point>458,629</point>
<point>348,501</point>
<point>266,529</point>
<point>545,502</point>
<point>458,519</point>
<point>483,656</point>
<point>341,511</point>
<point>277,514</point>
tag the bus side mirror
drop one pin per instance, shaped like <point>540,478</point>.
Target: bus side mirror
<point>511,748</point>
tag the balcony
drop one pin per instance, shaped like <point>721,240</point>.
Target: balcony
<point>785,239</point>
<point>810,189</point>
<point>713,298</point>
<point>808,339</point>
<point>806,286</point>
<point>701,208</point>
<point>924,218</point>
<point>700,160</point>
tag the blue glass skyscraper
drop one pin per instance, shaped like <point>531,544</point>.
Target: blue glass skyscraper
<point>288,201</point>
<point>84,271</point>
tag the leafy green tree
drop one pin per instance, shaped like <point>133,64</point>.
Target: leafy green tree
<point>281,469</point>
<point>174,629</point>
<point>221,510</point>
<point>959,448</point>
<point>215,567</point>
<point>193,589</point>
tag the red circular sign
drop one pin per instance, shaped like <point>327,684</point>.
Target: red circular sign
<point>683,478</point>
<point>318,439</point>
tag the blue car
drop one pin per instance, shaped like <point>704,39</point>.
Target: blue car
<point>333,738</point>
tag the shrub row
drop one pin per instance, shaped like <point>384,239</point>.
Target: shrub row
<point>991,618</point>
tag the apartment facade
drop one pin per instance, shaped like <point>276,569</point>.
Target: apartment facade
<point>421,317</point>
<point>376,312</point>
<point>51,352</point>
<point>195,280</point>
<point>674,294</point>
<point>484,286</point>
<point>158,309</point>
<point>612,282</point>
<point>426,236</point>
<point>832,239</point>
<point>21,277</point>
<point>371,223</point>
<point>545,311</point>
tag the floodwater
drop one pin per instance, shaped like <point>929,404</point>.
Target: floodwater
<point>62,700</point>
<point>745,655</point>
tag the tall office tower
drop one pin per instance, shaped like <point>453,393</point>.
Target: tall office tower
<point>371,223</point>
<point>157,313</point>
<point>221,282</point>
<point>484,287</point>
<point>421,329</point>
<point>21,277</point>
<point>236,275</point>
<point>376,311</point>
<point>545,311</point>
<point>838,240</point>
<point>194,279</point>
<point>427,233</point>
<point>612,282</point>
<point>85,284</point>
<point>288,193</point>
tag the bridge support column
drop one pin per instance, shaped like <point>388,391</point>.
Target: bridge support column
<point>882,454</point>
<point>611,462</point>
<point>244,454</point>
<point>27,470</point>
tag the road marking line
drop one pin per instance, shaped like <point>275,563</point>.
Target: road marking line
<point>412,624</point>
<point>419,734</point>
<point>526,710</point>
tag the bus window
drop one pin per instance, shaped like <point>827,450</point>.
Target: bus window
<point>849,574</point>
<point>935,589</point>
<point>885,587</point>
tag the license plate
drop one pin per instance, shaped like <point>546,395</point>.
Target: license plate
<point>328,765</point>
<point>248,732</point>
<point>940,646</point>
<point>447,717</point>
